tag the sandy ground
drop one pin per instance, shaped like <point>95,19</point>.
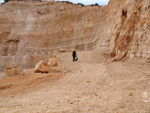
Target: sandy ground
<point>85,86</point>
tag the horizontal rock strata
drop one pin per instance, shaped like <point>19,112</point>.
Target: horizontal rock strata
<point>31,31</point>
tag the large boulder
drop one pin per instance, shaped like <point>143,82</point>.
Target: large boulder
<point>53,62</point>
<point>11,71</point>
<point>42,67</point>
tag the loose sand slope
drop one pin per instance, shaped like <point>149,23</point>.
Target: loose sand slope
<point>85,86</point>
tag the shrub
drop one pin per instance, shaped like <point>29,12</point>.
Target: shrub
<point>6,1</point>
<point>81,4</point>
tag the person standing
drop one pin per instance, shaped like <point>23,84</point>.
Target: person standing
<point>74,55</point>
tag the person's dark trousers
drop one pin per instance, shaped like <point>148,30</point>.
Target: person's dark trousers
<point>74,59</point>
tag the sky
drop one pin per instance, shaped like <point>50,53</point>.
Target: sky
<point>86,2</point>
<point>1,1</point>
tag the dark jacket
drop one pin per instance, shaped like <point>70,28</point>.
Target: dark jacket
<point>74,54</point>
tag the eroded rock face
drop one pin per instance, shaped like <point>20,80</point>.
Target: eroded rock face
<point>132,33</point>
<point>42,67</point>
<point>33,31</point>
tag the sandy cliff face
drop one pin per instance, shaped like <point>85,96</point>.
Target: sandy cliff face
<point>132,33</point>
<point>125,33</point>
<point>31,31</point>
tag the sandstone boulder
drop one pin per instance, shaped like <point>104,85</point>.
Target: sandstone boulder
<point>42,67</point>
<point>53,62</point>
<point>11,71</point>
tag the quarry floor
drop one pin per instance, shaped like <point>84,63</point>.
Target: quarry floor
<point>79,87</point>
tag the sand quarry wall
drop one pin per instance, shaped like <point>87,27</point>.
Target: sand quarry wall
<point>31,31</point>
